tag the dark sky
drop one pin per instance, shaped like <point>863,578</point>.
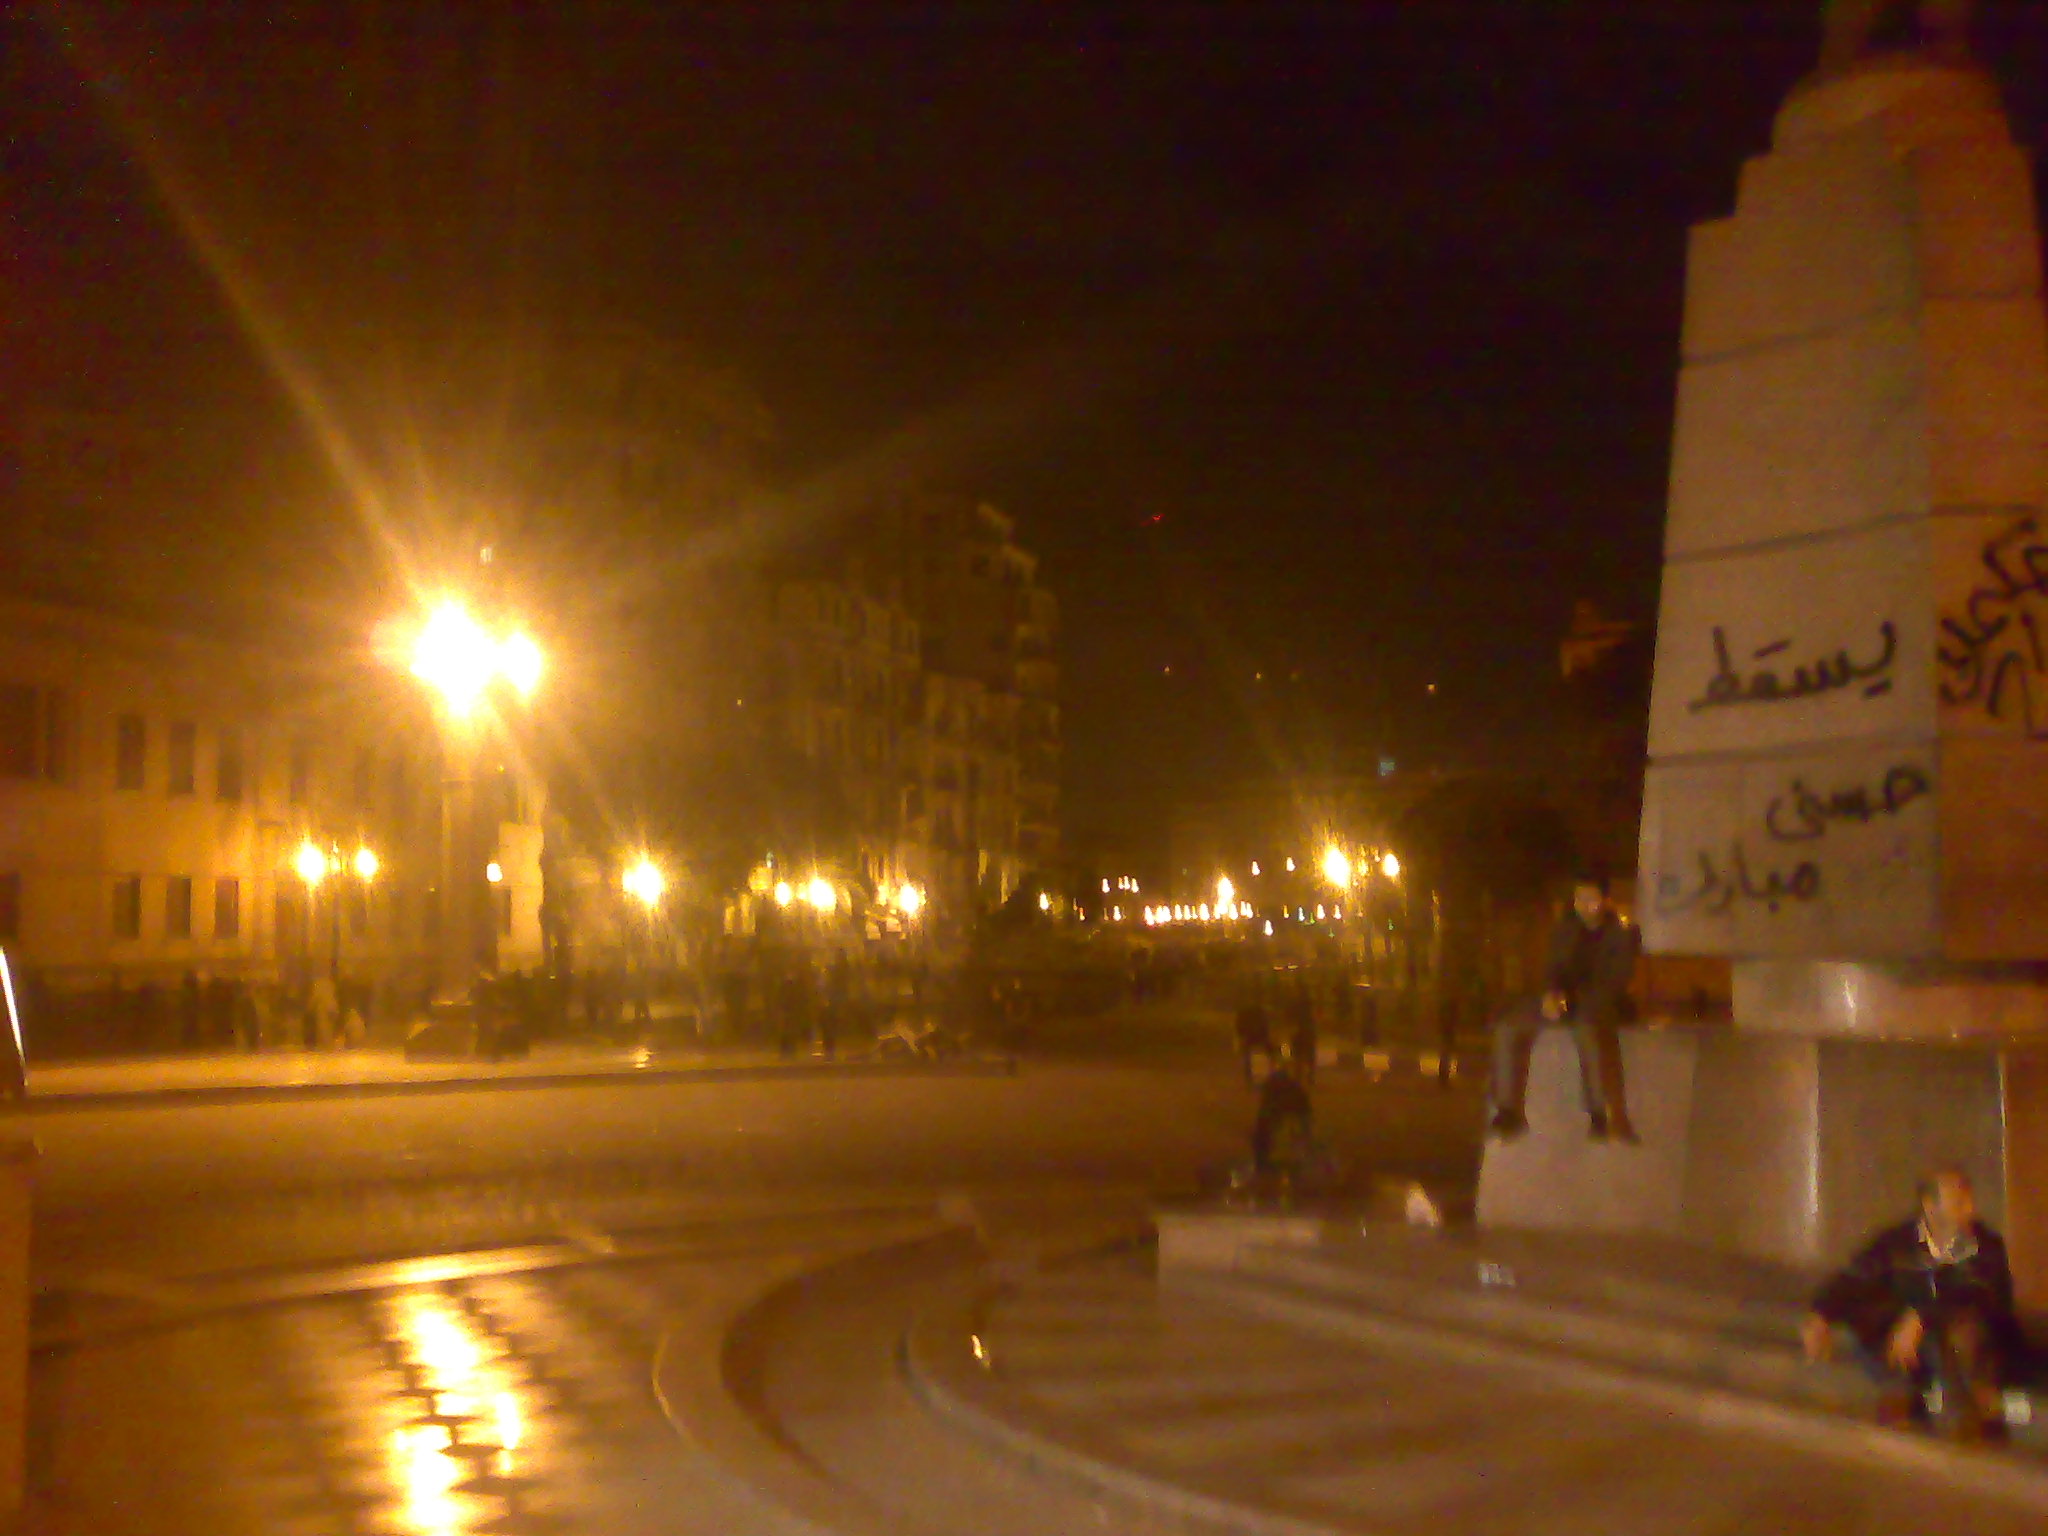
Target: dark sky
<point>1324,351</point>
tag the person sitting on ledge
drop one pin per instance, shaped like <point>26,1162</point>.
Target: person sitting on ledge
<point>1592,957</point>
<point>1928,1300</point>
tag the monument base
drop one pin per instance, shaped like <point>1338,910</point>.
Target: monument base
<point>1781,1147</point>
<point>1555,1176</point>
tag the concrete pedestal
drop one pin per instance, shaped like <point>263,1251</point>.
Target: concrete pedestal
<point>1555,1177</point>
<point>1784,1147</point>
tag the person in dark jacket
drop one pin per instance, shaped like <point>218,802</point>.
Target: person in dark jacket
<point>1929,1299</point>
<point>1301,1032</point>
<point>1592,957</point>
<point>1283,1102</point>
<point>1254,1037</point>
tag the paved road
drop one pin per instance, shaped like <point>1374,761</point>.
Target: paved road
<point>178,1190</point>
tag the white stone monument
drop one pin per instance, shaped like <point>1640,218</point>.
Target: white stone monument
<point>1848,791</point>
<point>1848,788</point>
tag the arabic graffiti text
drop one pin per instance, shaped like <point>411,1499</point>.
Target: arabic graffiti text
<point>1991,652</point>
<point>1770,685</point>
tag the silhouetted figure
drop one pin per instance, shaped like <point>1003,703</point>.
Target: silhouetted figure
<point>191,1012</point>
<point>838,1014</point>
<point>219,1011</point>
<point>1283,1106</point>
<point>732,987</point>
<point>795,1002</point>
<point>1301,1031</point>
<point>1254,1037</point>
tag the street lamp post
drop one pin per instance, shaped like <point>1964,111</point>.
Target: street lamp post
<point>462,661</point>
<point>309,863</point>
<point>364,865</point>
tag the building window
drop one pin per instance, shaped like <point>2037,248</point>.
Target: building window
<point>37,727</point>
<point>128,907</point>
<point>184,748</point>
<point>178,907</point>
<point>227,908</point>
<point>228,771</point>
<point>131,752</point>
<point>301,772</point>
<point>10,906</point>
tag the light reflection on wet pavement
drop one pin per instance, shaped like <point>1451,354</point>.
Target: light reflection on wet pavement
<point>515,1404</point>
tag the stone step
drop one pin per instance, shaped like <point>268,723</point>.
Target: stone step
<point>1712,1339</point>
<point>1750,1361</point>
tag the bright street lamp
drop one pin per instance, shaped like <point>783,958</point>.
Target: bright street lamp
<point>910,900</point>
<point>366,864</point>
<point>785,893</point>
<point>644,882</point>
<point>1226,893</point>
<point>310,864</point>
<point>820,895</point>
<point>1390,866</point>
<point>1337,867</point>
<point>461,659</point>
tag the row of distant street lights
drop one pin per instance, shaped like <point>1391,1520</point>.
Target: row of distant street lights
<point>1340,870</point>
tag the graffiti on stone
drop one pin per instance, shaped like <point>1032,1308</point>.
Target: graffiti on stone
<point>1772,684</point>
<point>1756,873</point>
<point>1990,650</point>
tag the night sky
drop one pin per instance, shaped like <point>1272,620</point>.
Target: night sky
<point>1324,351</point>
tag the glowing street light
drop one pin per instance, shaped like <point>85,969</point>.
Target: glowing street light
<point>366,865</point>
<point>494,872</point>
<point>820,895</point>
<point>1390,866</point>
<point>1337,867</point>
<point>460,659</point>
<point>910,900</point>
<point>785,893</point>
<point>643,881</point>
<point>1226,893</point>
<point>310,863</point>
<point>1044,901</point>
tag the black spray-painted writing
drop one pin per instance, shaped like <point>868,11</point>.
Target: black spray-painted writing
<point>1715,891</point>
<point>1766,685</point>
<point>1991,653</point>
<point>1801,815</point>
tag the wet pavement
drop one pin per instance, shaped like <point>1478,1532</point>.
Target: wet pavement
<point>514,1403</point>
<point>516,1400</point>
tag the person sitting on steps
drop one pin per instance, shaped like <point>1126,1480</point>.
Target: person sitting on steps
<point>1928,1300</point>
<point>1592,956</point>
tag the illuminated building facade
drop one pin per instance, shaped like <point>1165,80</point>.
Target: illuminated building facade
<point>155,788</point>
